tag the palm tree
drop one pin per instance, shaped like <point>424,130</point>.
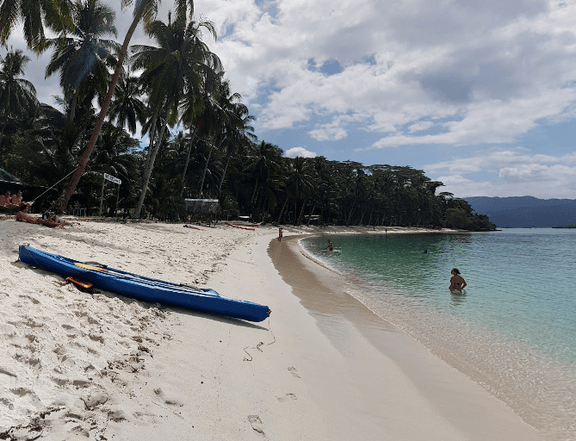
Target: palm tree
<point>181,64</point>
<point>83,54</point>
<point>239,140</point>
<point>300,184</point>
<point>236,129</point>
<point>265,163</point>
<point>49,147</point>
<point>219,118</point>
<point>144,10</point>
<point>112,156</point>
<point>34,14</point>
<point>127,108</point>
<point>17,95</point>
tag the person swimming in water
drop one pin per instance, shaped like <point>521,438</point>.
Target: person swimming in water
<point>457,282</point>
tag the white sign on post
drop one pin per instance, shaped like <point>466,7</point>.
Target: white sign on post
<point>112,179</point>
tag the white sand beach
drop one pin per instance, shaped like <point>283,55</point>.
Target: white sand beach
<point>100,366</point>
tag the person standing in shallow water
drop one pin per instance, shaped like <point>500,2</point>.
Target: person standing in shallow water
<point>457,282</point>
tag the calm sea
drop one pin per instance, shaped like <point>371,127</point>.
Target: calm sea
<point>514,329</point>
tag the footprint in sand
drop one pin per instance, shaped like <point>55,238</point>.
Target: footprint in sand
<point>293,371</point>
<point>287,397</point>
<point>256,423</point>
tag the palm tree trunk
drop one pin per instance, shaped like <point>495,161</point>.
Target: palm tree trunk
<point>73,108</point>
<point>148,172</point>
<point>282,211</point>
<point>152,134</point>
<point>205,170</point>
<point>349,219</point>
<point>311,213</point>
<point>2,134</point>
<point>255,188</point>
<point>96,131</point>
<point>362,216</point>
<point>192,134</point>
<point>301,215</point>
<point>228,156</point>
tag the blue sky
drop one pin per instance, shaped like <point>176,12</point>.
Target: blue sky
<point>479,95</point>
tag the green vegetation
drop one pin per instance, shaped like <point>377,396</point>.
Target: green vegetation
<point>202,144</point>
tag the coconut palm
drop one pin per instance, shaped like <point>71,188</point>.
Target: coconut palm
<point>220,117</point>
<point>232,124</point>
<point>238,140</point>
<point>17,95</point>
<point>300,184</point>
<point>181,64</point>
<point>34,14</point>
<point>265,162</point>
<point>144,10</point>
<point>127,108</point>
<point>82,57</point>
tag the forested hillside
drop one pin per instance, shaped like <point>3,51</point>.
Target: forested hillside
<point>526,211</point>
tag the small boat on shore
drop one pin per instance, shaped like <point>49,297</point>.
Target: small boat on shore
<point>144,288</point>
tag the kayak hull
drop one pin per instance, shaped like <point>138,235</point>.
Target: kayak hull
<point>144,288</point>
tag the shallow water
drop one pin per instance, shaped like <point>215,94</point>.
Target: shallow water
<point>514,331</point>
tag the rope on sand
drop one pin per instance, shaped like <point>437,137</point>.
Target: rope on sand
<point>259,345</point>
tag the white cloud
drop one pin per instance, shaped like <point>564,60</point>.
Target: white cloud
<point>420,126</point>
<point>508,173</point>
<point>327,132</point>
<point>475,72</point>
<point>492,160</point>
<point>410,73</point>
<point>494,68</point>
<point>295,152</point>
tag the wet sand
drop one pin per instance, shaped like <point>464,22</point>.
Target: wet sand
<point>393,384</point>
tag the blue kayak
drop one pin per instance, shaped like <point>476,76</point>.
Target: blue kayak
<point>150,290</point>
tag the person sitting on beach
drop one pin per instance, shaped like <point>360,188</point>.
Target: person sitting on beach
<point>23,216</point>
<point>4,201</point>
<point>8,200</point>
<point>51,220</point>
<point>457,282</point>
<point>18,200</point>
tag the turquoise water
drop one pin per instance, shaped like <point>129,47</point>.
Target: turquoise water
<point>514,329</point>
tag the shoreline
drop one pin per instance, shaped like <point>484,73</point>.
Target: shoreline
<point>462,404</point>
<point>102,366</point>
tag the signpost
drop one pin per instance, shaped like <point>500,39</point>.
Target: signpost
<point>115,180</point>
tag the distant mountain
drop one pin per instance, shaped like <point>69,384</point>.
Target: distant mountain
<point>525,211</point>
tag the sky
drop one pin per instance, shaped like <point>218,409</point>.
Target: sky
<point>481,95</point>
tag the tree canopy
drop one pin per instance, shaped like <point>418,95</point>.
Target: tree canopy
<point>201,139</point>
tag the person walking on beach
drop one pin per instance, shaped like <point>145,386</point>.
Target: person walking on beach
<point>457,282</point>
<point>279,234</point>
